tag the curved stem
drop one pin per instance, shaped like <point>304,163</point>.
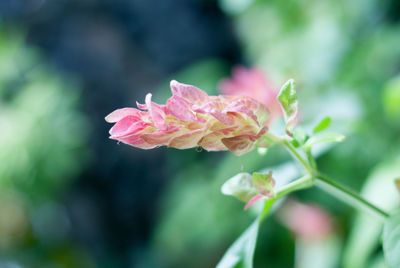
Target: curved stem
<point>332,187</point>
<point>348,196</point>
<point>299,184</point>
<point>298,157</point>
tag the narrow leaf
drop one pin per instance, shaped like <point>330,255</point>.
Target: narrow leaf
<point>288,99</point>
<point>326,138</point>
<point>323,124</point>
<point>241,252</point>
<point>391,240</point>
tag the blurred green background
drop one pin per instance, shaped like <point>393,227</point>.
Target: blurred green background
<point>69,197</point>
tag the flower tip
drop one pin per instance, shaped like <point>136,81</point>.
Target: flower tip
<point>173,83</point>
<point>108,119</point>
<point>291,81</point>
<point>148,97</point>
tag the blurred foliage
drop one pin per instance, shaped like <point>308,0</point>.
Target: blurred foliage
<point>391,100</point>
<point>378,189</point>
<point>41,139</point>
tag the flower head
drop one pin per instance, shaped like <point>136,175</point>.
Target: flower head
<point>253,83</point>
<point>191,118</point>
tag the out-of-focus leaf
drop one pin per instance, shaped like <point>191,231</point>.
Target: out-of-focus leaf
<point>240,186</point>
<point>378,262</point>
<point>391,98</point>
<point>366,231</point>
<point>241,253</point>
<point>391,239</point>
<point>323,124</point>
<point>319,253</point>
<point>264,183</point>
<point>326,138</point>
<point>288,99</point>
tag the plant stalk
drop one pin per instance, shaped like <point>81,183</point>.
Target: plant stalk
<point>327,184</point>
<point>348,196</point>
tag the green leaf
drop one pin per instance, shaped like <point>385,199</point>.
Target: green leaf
<point>241,186</point>
<point>264,184</point>
<point>391,240</point>
<point>326,138</point>
<point>323,124</point>
<point>288,99</point>
<point>241,253</point>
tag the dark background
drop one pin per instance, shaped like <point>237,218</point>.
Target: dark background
<point>119,50</point>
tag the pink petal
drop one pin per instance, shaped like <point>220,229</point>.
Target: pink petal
<point>121,113</point>
<point>181,109</point>
<point>212,141</point>
<point>212,108</point>
<point>136,141</point>
<point>157,113</point>
<point>246,106</point>
<point>224,118</point>
<point>242,144</point>
<point>127,126</point>
<point>142,106</point>
<point>253,200</point>
<point>161,137</point>
<point>188,92</point>
<point>253,83</point>
<point>239,145</point>
<point>188,140</point>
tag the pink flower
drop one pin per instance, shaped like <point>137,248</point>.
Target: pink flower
<point>252,83</point>
<point>307,221</point>
<point>191,118</point>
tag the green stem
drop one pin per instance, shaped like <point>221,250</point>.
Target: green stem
<point>302,183</point>
<point>298,157</point>
<point>299,184</point>
<point>330,186</point>
<point>311,159</point>
<point>348,196</point>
